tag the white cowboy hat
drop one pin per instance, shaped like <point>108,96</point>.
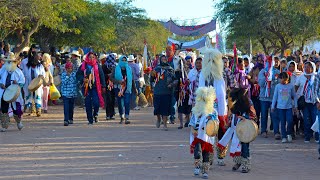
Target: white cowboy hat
<point>131,58</point>
<point>75,53</point>
<point>10,57</point>
<point>102,56</point>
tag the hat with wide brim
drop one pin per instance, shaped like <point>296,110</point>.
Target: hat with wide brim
<point>131,58</point>
<point>102,56</point>
<point>76,53</point>
<point>11,57</point>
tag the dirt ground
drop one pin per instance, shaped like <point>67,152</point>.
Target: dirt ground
<point>45,149</point>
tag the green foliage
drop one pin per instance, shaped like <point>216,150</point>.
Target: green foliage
<point>276,24</point>
<point>118,26</point>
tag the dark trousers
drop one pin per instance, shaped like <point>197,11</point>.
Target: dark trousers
<point>257,107</point>
<point>68,108</point>
<point>110,102</point>
<point>198,153</point>
<point>92,99</point>
<point>245,151</point>
<point>5,108</point>
<point>309,117</point>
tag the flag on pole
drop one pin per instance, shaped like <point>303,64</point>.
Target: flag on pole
<point>235,57</point>
<point>145,55</point>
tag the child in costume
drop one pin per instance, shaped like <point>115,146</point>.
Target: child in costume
<point>242,110</point>
<point>202,144</point>
<point>10,74</point>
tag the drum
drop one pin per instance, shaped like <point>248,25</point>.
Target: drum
<point>35,84</point>
<point>57,80</point>
<point>212,127</point>
<point>247,130</point>
<point>12,93</point>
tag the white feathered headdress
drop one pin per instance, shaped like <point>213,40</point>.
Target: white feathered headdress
<point>212,64</point>
<point>205,97</point>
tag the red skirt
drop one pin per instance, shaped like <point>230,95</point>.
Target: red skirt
<point>205,146</point>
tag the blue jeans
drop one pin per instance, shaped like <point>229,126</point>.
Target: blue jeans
<point>123,102</point>
<point>309,117</point>
<point>92,99</point>
<point>265,106</point>
<point>134,96</point>
<point>245,151</point>
<point>286,118</point>
<point>68,108</point>
<point>319,130</point>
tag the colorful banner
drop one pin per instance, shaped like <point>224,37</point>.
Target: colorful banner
<point>196,44</point>
<point>190,30</point>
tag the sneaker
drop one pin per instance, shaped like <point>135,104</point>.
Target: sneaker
<point>20,126</point>
<point>317,141</point>
<point>3,130</point>
<point>180,127</point>
<point>289,137</point>
<point>70,121</point>
<point>112,118</point>
<point>284,140</point>
<point>45,111</point>
<point>107,118</point>
<point>221,162</point>
<point>90,123</point>
<point>277,136</point>
<point>205,176</point>
<point>306,141</point>
<point>196,171</point>
<point>66,123</point>
<point>136,108</point>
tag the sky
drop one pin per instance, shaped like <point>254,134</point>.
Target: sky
<point>182,10</point>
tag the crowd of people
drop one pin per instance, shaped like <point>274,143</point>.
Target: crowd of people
<point>246,87</point>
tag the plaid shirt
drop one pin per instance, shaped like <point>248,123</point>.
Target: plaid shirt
<point>228,77</point>
<point>69,85</point>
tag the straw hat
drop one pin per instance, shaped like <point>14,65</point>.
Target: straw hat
<point>11,57</point>
<point>102,56</point>
<point>131,58</point>
<point>76,53</point>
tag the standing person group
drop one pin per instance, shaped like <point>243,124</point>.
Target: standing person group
<point>270,86</point>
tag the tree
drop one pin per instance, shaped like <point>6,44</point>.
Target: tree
<point>93,29</point>
<point>24,18</point>
<point>276,24</point>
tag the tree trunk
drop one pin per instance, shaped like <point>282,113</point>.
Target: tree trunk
<point>264,46</point>
<point>24,39</point>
